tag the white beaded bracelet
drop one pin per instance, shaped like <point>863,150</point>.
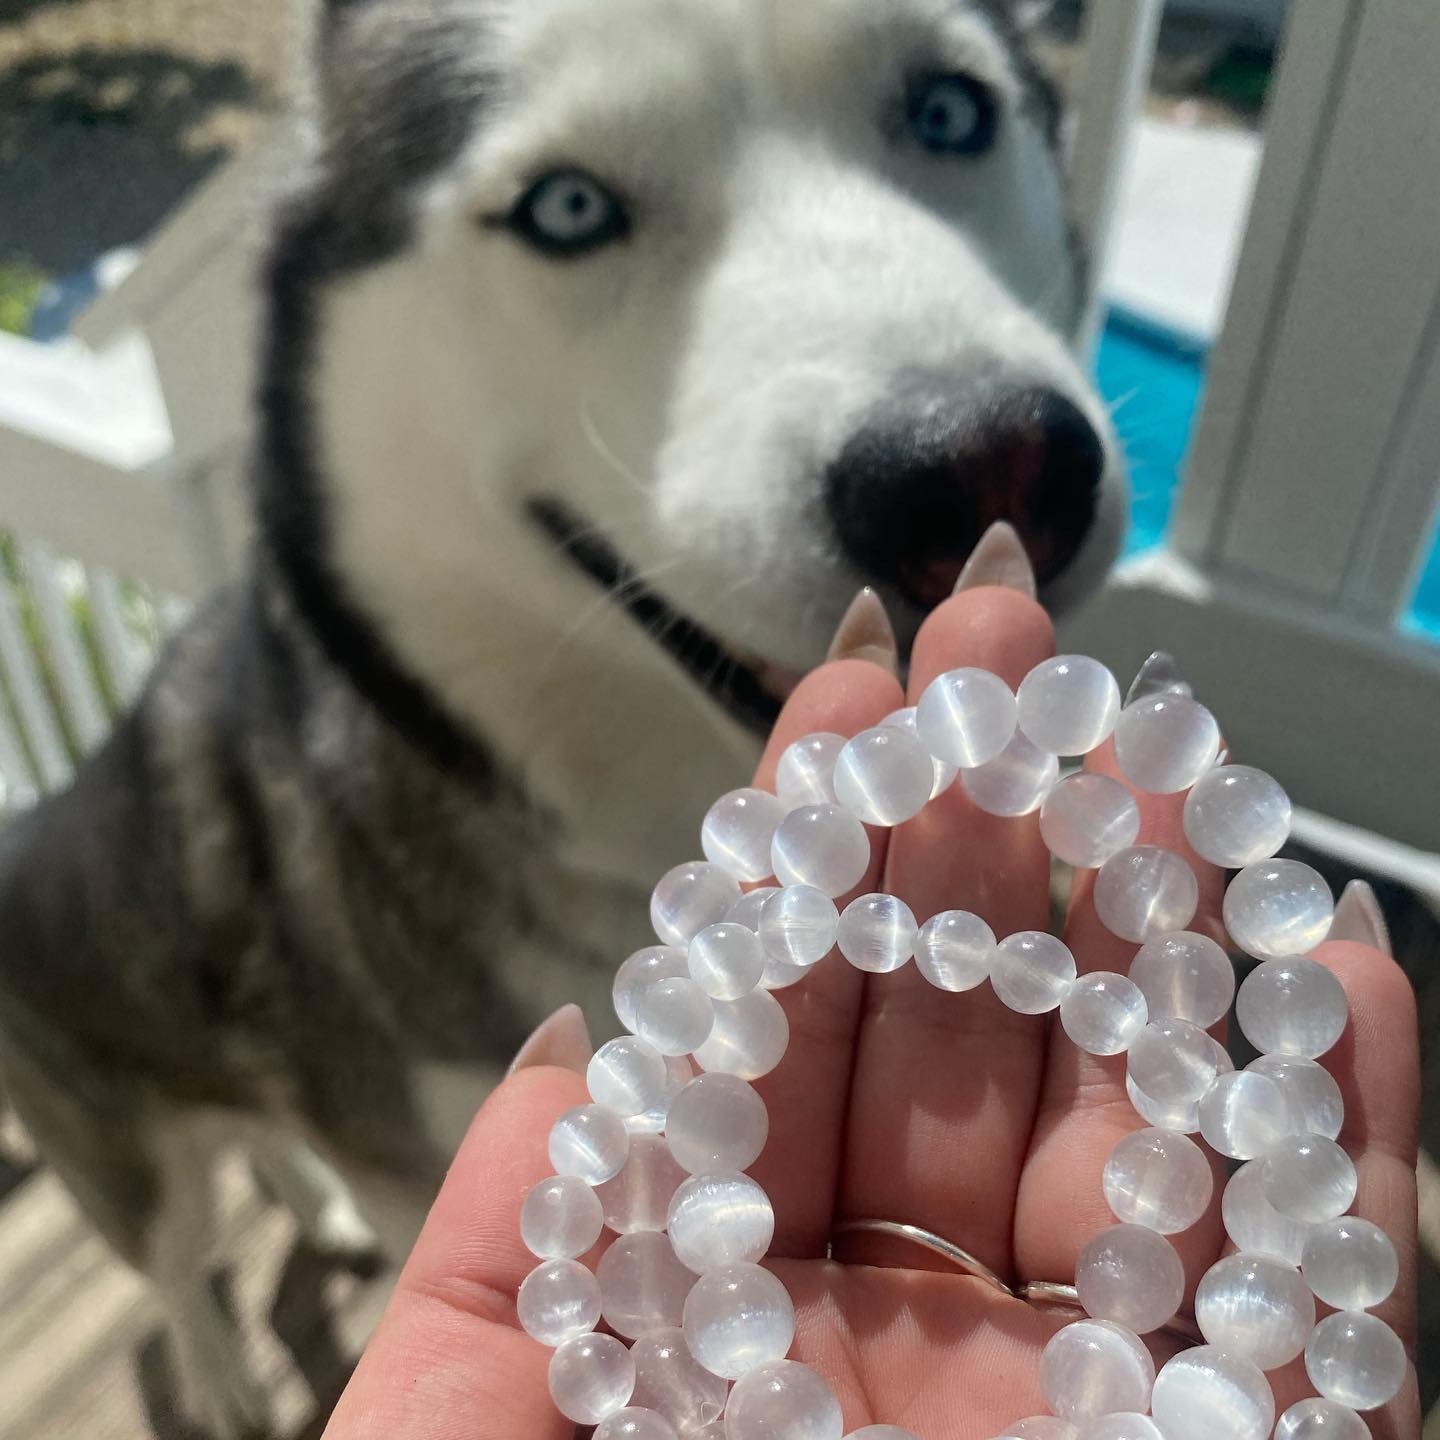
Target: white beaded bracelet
<point>659,1157</point>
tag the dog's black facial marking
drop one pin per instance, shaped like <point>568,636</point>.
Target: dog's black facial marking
<point>1041,95</point>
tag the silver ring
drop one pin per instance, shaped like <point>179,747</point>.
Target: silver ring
<point>962,1260</point>
<point>1047,1295</point>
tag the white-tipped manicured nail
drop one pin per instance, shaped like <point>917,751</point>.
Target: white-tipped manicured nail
<point>866,633</point>
<point>999,559</point>
<point>1157,675</point>
<point>1358,917</point>
<point>563,1040</point>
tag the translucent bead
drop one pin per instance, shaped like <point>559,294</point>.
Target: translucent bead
<point>805,772</point>
<point>627,1076</point>
<point>944,775</point>
<point>720,1220</point>
<point>1031,971</point>
<point>591,1378</point>
<point>1320,1420</point>
<point>1311,1089</point>
<point>1158,1179</point>
<point>1015,782</point>
<point>643,1285</point>
<point>1253,1224</point>
<point>823,846</point>
<point>638,1198</point>
<point>884,776</point>
<point>1183,1119</point>
<point>1309,1178</point>
<point>717,1123</point>
<point>1165,743</point>
<point>1040,1427</point>
<point>1276,908</point>
<point>966,717</point>
<point>675,1016</point>
<point>688,898</point>
<point>1093,1368</point>
<point>1173,1061</point>
<point>1145,891</point>
<point>1255,1306</point>
<point>1356,1360</point>
<point>726,961</point>
<point>881,1432</point>
<point>1204,1393</point>
<point>670,1381</point>
<point>1292,1007</point>
<point>1243,1115</point>
<point>1132,1276</point>
<point>877,933</point>
<point>954,950</point>
<point>633,1423</point>
<point>1068,705</point>
<point>738,1318</point>
<point>561,1218</point>
<point>1102,1013</point>
<point>798,926</point>
<point>748,1038</point>
<point>644,967</point>
<point>1088,818</point>
<point>558,1301</point>
<point>1185,976</point>
<point>1350,1263</point>
<point>737,831</point>
<point>589,1142</point>
<point>746,910</point>
<point>1236,815</point>
<point>678,1074</point>
<point>784,1401</point>
<point>1127,1426</point>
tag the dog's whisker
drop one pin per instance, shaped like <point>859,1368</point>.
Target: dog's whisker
<point>591,430</point>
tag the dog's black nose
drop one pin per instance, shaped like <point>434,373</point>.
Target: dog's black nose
<point>913,492</point>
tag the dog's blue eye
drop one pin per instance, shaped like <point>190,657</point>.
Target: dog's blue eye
<point>953,115</point>
<point>569,213</point>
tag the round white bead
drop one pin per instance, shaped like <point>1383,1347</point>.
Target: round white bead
<point>1132,1276</point>
<point>1204,1393</point>
<point>1255,1306</point>
<point>784,1401</point>
<point>1092,1368</point>
<point>884,776</point>
<point>678,1074</point>
<point>746,910</point>
<point>1236,815</point>
<point>1165,743</point>
<point>822,846</point>
<point>717,1123</point>
<point>1158,1179</point>
<point>1253,1224</point>
<point>1126,1426</point>
<point>1039,1427</point>
<point>1350,1263</point>
<point>644,967</point>
<point>670,1381</point>
<point>675,1016</point>
<point>591,1378</point>
<point>1311,1089</point>
<point>805,772</point>
<point>1183,1119</point>
<point>726,961</point>
<point>558,1301</point>
<point>738,1318</point>
<point>798,926</point>
<point>748,1038</point>
<point>877,933</point>
<point>966,717</point>
<point>1031,971</point>
<point>1145,891</point>
<point>627,1075</point>
<point>1088,818</point>
<point>954,949</point>
<point>1243,1115</point>
<point>1320,1420</point>
<point>688,898</point>
<point>1103,1013</point>
<point>561,1218</point>
<point>589,1142</point>
<point>638,1198</point>
<point>1276,908</point>
<point>881,1432</point>
<point>737,831</point>
<point>1355,1359</point>
<point>719,1220</point>
<point>1309,1178</point>
<point>1015,782</point>
<point>944,775</point>
<point>634,1423</point>
<point>643,1285</point>
<point>1292,1007</point>
<point>1068,705</point>
<point>1173,1061</point>
<point>1185,976</point>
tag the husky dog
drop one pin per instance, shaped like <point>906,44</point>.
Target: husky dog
<point>612,344</point>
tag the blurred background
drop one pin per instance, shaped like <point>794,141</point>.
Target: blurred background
<point>1258,183</point>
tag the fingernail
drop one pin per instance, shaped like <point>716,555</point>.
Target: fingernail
<point>1157,675</point>
<point>999,559</point>
<point>1359,917</point>
<point>563,1040</point>
<point>866,634</point>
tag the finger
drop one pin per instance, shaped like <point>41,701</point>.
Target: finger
<point>449,1359</point>
<point>945,1085</point>
<point>807,1094</point>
